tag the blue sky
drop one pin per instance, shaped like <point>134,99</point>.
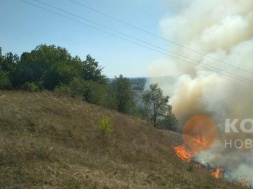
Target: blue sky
<point>23,27</point>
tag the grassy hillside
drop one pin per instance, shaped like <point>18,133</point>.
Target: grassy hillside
<point>54,142</point>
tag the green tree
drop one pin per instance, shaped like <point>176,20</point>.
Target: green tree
<point>8,63</point>
<point>124,94</point>
<point>92,71</point>
<point>59,74</point>
<point>90,91</point>
<point>53,68</point>
<point>100,94</point>
<point>155,103</point>
<point>5,82</point>
<point>47,65</point>
<point>169,121</point>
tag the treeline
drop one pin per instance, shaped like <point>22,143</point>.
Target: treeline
<point>52,68</point>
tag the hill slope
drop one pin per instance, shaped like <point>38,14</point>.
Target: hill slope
<point>52,142</point>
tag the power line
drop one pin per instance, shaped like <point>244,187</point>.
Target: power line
<point>131,37</point>
<point>233,75</point>
<point>157,36</point>
<point>199,65</point>
<point>134,38</point>
<point>120,32</point>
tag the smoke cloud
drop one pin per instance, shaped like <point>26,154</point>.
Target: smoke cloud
<point>222,30</point>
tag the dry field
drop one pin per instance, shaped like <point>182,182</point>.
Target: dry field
<point>55,142</point>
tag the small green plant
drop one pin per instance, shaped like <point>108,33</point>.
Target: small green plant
<point>105,125</point>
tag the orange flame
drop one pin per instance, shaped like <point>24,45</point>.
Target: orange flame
<point>187,154</point>
<point>199,133</point>
<point>218,173</point>
<point>183,153</point>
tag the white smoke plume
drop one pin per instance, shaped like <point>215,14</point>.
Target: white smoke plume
<point>221,29</point>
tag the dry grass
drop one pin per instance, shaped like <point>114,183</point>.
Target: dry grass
<point>54,142</point>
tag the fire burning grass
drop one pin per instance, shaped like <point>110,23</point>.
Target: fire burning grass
<point>218,173</point>
<point>199,133</point>
<point>185,154</point>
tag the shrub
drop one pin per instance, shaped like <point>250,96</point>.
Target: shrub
<point>100,94</point>
<point>106,125</point>
<point>5,82</point>
<point>30,86</point>
<point>169,122</point>
<point>77,86</point>
<point>63,90</point>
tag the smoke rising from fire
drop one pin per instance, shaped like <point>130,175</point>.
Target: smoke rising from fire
<point>222,30</point>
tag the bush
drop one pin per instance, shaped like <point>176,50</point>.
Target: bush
<point>169,122</point>
<point>63,90</point>
<point>77,87</point>
<point>30,86</point>
<point>100,94</point>
<point>105,125</point>
<point>5,82</point>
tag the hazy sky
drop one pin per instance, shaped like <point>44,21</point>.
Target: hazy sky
<point>23,27</point>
